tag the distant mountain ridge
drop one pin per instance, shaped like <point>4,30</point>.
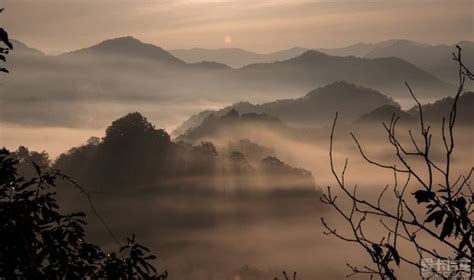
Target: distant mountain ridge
<point>234,57</point>
<point>355,104</point>
<point>432,112</point>
<point>441,108</point>
<point>214,123</point>
<point>128,71</point>
<point>128,47</point>
<point>22,49</point>
<point>308,67</point>
<point>315,108</point>
<point>238,58</point>
<point>314,68</point>
<point>435,59</point>
<point>363,49</point>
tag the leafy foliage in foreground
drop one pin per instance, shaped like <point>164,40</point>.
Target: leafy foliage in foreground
<point>37,241</point>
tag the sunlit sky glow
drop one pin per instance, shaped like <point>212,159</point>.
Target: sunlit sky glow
<point>54,25</point>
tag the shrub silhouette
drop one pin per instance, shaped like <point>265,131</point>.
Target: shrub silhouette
<point>40,242</point>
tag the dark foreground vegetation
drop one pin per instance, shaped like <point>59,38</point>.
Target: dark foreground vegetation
<point>40,242</point>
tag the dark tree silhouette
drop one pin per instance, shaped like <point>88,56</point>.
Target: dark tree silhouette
<point>25,157</point>
<point>39,242</point>
<point>446,198</point>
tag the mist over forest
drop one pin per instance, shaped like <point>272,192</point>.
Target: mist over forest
<point>218,159</point>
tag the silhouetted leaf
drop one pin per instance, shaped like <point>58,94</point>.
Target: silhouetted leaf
<point>378,251</point>
<point>4,38</point>
<point>465,221</point>
<point>447,228</point>
<point>431,208</point>
<point>424,196</point>
<point>437,217</point>
<point>466,241</point>
<point>394,252</point>
<point>460,203</point>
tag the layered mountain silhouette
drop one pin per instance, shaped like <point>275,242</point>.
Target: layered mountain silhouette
<point>237,58</point>
<point>126,47</point>
<point>213,125</point>
<point>314,68</point>
<point>384,114</point>
<point>23,49</point>
<point>253,152</point>
<point>355,104</point>
<point>436,111</point>
<point>191,122</point>
<point>363,49</point>
<point>126,70</point>
<point>435,59</point>
<point>25,57</point>
<point>52,90</point>
<point>432,112</point>
<point>315,108</point>
<point>357,49</point>
<point>234,57</point>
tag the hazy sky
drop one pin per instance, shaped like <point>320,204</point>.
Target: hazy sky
<point>266,25</point>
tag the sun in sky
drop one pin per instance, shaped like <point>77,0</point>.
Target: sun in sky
<point>228,39</point>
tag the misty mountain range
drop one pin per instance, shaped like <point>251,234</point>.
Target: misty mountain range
<point>435,59</point>
<point>432,112</point>
<point>317,108</point>
<point>234,57</point>
<point>237,58</point>
<point>67,90</point>
<point>55,90</point>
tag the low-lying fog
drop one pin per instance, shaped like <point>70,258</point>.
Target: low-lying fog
<point>71,124</point>
<point>87,119</point>
<point>252,234</point>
